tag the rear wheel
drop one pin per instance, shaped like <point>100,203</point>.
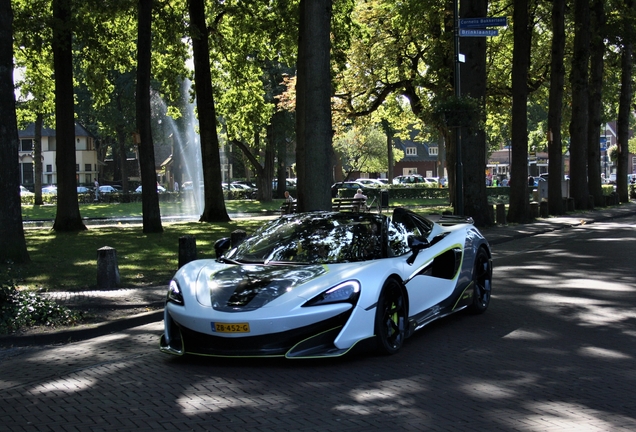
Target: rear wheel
<point>482,282</point>
<point>390,318</point>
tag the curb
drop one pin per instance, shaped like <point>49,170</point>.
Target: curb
<point>79,334</point>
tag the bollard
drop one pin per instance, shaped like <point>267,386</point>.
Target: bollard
<point>501,214</point>
<point>543,209</point>
<point>570,206</point>
<point>534,210</point>
<point>236,237</point>
<point>107,268</point>
<point>187,249</point>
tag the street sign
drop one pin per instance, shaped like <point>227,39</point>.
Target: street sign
<point>478,32</point>
<point>480,23</point>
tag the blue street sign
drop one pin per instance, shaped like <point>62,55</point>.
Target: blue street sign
<point>478,32</point>
<point>480,23</point>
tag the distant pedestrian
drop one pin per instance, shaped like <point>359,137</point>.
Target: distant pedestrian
<point>176,186</point>
<point>359,194</point>
<point>362,200</point>
<point>96,190</point>
<point>288,197</point>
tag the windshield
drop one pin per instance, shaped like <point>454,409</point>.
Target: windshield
<point>321,238</point>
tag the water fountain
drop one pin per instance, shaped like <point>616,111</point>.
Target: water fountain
<point>186,156</point>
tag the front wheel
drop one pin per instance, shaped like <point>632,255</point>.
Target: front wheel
<point>391,318</point>
<point>482,282</point>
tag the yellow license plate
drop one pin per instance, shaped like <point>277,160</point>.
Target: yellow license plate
<point>231,328</point>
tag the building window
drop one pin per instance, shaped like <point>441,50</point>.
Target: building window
<point>49,179</point>
<point>26,145</point>
<point>87,179</point>
<point>52,144</point>
<point>26,173</point>
<point>87,167</point>
<point>411,151</point>
<point>76,167</point>
<point>432,151</point>
<point>49,168</point>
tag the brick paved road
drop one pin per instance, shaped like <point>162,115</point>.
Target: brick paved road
<point>554,352</point>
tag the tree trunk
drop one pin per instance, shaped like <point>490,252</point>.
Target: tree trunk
<point>123,157</point>
<point>67,217</point>
<point>555,110</point>
<point>624,111</point>
<point>519,210</point>
<point>37,160</point>
<point>150,197</point>
<point>313,106</point>
<point>597,54</point>
<point>580,105</point>
<point>11,230</point>
<point>214,209</point>
<point>473,84</point>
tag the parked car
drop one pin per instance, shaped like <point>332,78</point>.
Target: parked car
<point>353,185</point>
<point>289,183</point>
<point>313,285</point>
<point>370,182</point>
<point>83,189</point>
<point>409,179</point>
<point>249,184</point>
<point>245,190</point>
<point>24,191</point>
<point>50,190</point>
<point>160,189</point>
<point>104,189</point>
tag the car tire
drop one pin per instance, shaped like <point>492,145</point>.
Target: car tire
<point>482,282</point>
<point>391,318</point>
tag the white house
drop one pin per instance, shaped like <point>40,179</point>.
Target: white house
<point>85,156</point>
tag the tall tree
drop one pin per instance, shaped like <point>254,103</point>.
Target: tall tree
<point>313,106</point>
<point>519,206</point>
<point>555,108</point>
<point>150,197</point>
<point>625,101</point>
<point>11,230</point>
<point>67,217</point>
<point>214,210</point>
<point>579,76</point>
<point>473,84</point>
<point>597,64</point>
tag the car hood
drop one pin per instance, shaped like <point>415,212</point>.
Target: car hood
<point>235,288</point>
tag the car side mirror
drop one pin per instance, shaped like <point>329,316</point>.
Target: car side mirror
<point>416,243</point>
<point>221,246</point>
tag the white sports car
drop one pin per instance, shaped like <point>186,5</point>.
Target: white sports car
<point>316,284</point>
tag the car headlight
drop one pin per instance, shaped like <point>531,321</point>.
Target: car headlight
<point>174,293</point>
<point>346,292</point>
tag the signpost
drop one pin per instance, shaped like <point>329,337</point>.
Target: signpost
<point>482,23</point>
<point>467,27</point>
<point>477,32</point>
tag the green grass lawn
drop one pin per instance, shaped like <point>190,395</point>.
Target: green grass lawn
<point>68,261</point>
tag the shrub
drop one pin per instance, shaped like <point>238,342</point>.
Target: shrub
<point>20,309</point>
